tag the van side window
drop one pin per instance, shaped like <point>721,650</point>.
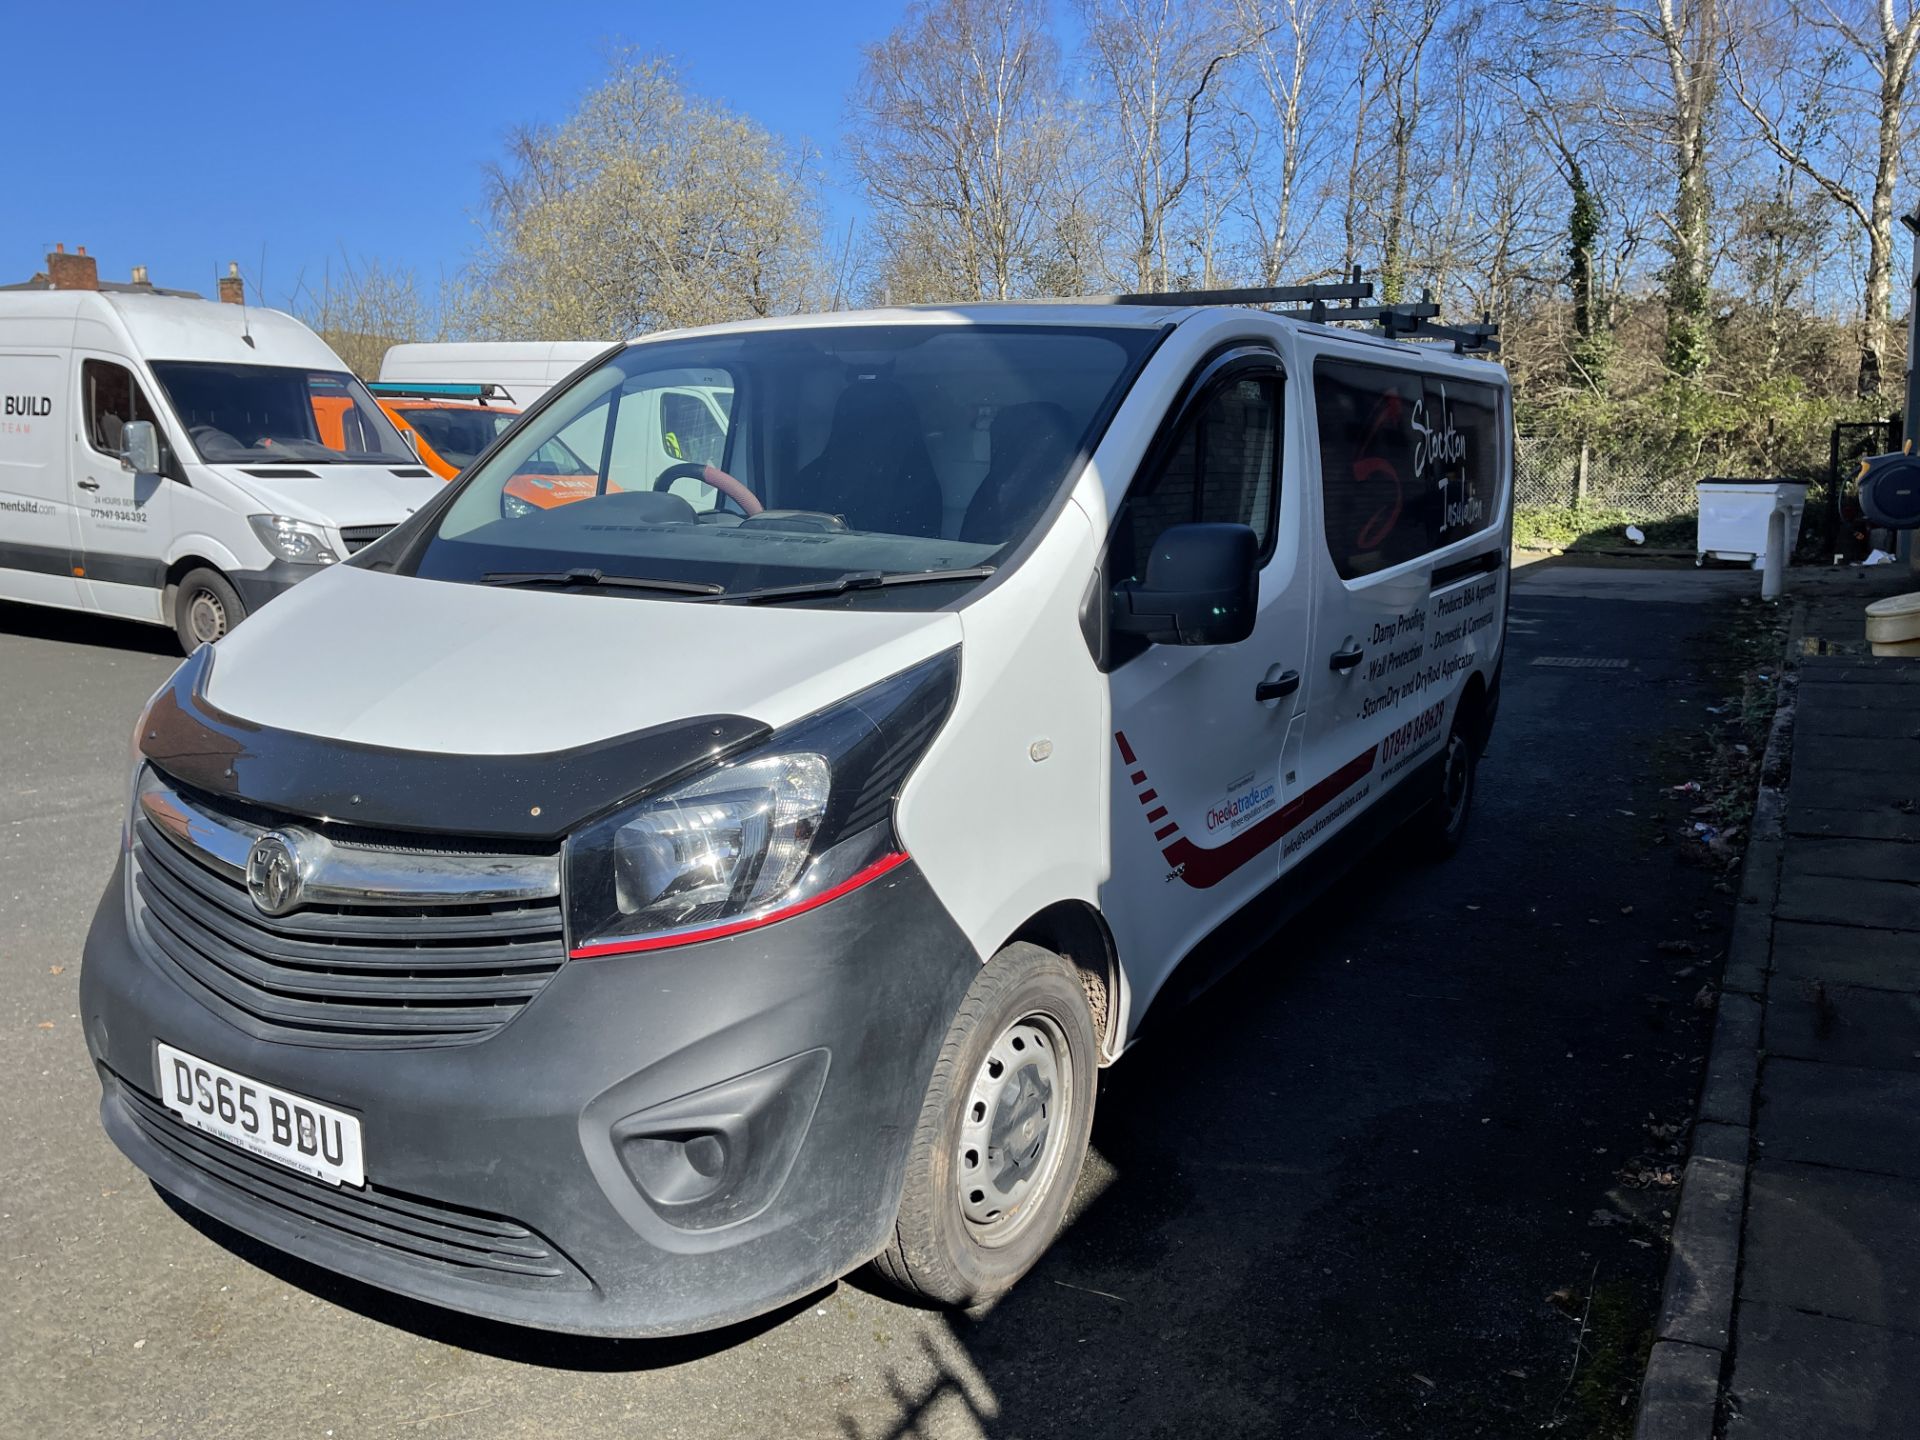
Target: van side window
<point>688,430</point>
<point>1408,462</point>
<point>112,397</point>
<point>1224,467</point>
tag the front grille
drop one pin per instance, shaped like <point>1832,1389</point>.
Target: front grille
<point>433,971</point>
<point>447,1238</point>
<point>357,537</point>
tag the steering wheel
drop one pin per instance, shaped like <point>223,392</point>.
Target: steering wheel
<point>710,475</point>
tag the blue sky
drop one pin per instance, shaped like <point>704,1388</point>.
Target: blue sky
<point>184,136</point>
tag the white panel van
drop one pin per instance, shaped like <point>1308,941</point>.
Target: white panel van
<point>181,462</point>
<point>696,896</point>
<point>525,369</point>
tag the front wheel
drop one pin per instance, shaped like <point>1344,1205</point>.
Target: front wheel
<point>1002,1133</point>
<point>1443,823</point>
<point>205,607</point>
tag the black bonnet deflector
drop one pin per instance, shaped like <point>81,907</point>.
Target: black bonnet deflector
<point>525,796</point>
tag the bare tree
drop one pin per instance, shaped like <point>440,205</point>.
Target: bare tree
<point>1287,44</point>
<point>647,209</point>
<point>1670,52</point>
<point>1159,70</point>
<point>961,136</point>
<point>362,307</point>
<point>1828,89</point>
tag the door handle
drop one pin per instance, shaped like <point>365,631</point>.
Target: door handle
<point>1278,688</point>
<point>1341,661</point>
<point>88,484</point>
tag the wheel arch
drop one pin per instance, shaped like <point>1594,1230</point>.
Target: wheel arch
<point>1474,714</point>
<point>1078,932</point>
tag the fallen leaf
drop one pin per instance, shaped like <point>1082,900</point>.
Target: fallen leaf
<point>56,969</point>
<point>1677,947</point>
<point>44,1025</point>
<point>1424,1381</point>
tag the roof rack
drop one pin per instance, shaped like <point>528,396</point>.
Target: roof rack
<point>409,390</point>
<point>1345,300</point>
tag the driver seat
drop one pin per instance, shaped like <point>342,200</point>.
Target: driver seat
<point>1029,449</point>
<point>875,471</point>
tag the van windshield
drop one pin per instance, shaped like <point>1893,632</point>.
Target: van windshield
<point>457,434</point>
<point>832,465</point>
<point>254,413</point>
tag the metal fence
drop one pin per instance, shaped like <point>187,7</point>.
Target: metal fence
<point>1551,472</point>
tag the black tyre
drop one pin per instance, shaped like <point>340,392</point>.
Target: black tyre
<point>205,607</point>
<point>1443,823</point>
<point>1002,1134</point>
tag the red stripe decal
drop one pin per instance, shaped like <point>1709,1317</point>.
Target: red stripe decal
<point>1139,777</point>
<point>1157,814</point>
<point>1203,868</point>
<point>734,927</point>
<point>1126,750</point>
<point>1147,797</point>
<point>1164,831</point>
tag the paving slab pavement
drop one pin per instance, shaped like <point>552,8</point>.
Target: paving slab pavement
<point>1824,1298</point>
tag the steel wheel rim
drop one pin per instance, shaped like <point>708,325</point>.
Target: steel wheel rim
<point>1014,1129</point>
<point>206,617</point>
<point>1455,782</point>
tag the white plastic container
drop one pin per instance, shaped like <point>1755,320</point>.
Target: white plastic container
<point>1734,515</point>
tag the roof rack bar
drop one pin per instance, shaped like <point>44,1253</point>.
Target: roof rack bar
<point>1253,295</point>
<point>1347,300</point>
<point>1467,339</point>
<point>1384,315</point>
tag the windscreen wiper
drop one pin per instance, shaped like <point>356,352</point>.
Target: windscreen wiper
<point>585,576</point>
<point>858,580</point>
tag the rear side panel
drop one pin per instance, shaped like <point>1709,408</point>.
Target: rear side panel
<point>36,516</point>
<point>1414,468</point>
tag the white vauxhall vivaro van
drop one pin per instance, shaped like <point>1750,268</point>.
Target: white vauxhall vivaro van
<point>625,915</point>
<point>180,461</point>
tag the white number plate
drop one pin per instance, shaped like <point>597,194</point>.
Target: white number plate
<point>264,1120</point>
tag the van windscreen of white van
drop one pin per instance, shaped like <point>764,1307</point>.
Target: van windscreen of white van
<point>245,414</point>
<point>775,463</point>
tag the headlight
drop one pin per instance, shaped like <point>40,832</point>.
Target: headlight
<point>294,541</point>
<point>788,826</point>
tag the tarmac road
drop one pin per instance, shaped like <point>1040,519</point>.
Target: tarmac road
<point>1336,1196</point>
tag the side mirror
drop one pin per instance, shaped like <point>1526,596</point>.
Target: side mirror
<point>140,447</point>
<point>1202,587</point>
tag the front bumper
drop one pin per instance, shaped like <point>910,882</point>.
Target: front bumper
<point>656,1144</point>
<point>257,587</point>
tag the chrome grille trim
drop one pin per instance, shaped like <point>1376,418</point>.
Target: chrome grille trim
<point>345,873</point>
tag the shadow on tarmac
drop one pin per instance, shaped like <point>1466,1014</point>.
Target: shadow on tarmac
<point>80,627</point>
